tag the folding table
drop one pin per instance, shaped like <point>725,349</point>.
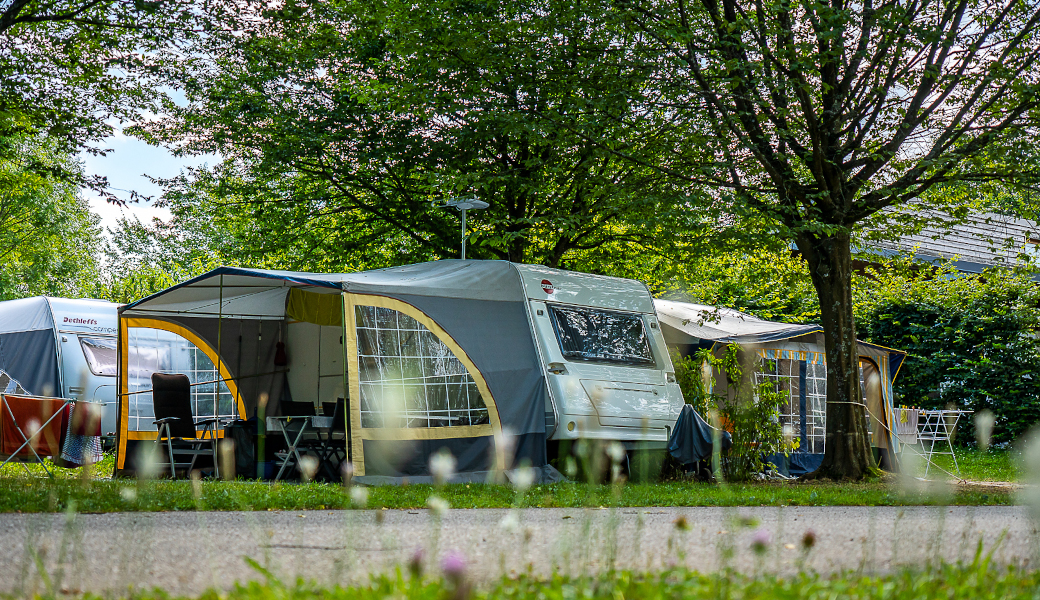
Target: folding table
<point>299,430</point>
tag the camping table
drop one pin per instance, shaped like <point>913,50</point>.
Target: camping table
<point>308,424</point>
<point>938,426</point>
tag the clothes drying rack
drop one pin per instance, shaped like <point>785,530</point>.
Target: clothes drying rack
<point>937,428</point>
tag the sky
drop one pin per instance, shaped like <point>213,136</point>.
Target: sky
<point>126,167</point>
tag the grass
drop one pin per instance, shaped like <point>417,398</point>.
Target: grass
<point>42,495</point>
<point>32,492</point>
<point>976,465</point>
<point>978,580</point>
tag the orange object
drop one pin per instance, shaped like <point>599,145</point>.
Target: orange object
<point>21,416</point>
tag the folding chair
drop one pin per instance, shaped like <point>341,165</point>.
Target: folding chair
<point>332,453</point>
<point>15,418</point>
<point>171,401</point>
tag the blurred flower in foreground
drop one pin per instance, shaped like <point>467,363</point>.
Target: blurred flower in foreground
<point>128,494</point>
<point>808,540</point>
<point>682,524</point>
<point>984,421</point>
<point>442,466</point>
<point>308,467</point>
<point>510,522</point>
<point>439,506</point>
<point>1029,470</point>
<point>196,484</point>
<point>346,473</point>
<point>454,566</point>
<point>523,478</point>
<point>359,496</point>
<point>415,562</point>
<point>761,540</point>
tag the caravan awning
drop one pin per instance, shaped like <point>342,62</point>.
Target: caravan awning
<point>717,324</point>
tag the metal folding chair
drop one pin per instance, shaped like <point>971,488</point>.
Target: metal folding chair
<point>171,401</point>
<point>18,413</point>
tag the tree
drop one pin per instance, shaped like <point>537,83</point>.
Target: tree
<point>73,69</point>
<point>828,117</point>
<point>339,122</point>
<point>48,236</point>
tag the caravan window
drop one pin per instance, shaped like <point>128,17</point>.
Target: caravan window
<point>100,354</point>
<point>601,336</point>
<point>409,377</point>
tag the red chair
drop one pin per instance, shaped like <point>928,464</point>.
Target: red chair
<point>31,426</point>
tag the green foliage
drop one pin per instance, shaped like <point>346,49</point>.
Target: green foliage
<point>770,282</point>
<point>977,580</point>
<point>70,69</point>
<point>971,340</point>
<point>48,236</point>
<point>747,409</point>
<point>339,123</point>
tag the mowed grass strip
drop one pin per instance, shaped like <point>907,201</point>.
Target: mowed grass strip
<point>975,581</point>
<point>98,496</point>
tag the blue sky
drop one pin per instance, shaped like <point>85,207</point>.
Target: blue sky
<point>126,166</point>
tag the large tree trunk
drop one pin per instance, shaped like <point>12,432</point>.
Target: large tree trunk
<point>847,447</point>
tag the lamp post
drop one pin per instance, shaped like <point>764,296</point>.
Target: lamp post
<point>462,204</point>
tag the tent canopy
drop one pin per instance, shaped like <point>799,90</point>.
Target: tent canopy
<point>726,325</point>
<point>475,311</point>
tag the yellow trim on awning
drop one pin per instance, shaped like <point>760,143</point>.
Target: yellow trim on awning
<point>359,433</point>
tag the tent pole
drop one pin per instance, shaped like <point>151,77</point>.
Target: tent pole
<point>220,324</point>
<point>346,384</point>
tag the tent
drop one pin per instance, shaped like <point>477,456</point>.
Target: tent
<point>428,356</point>
<point>793,356</point>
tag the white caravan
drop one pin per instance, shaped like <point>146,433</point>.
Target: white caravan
<point>61,347</point>
<point>608,370</point>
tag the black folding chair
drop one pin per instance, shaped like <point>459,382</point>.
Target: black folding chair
<point>332,452</point>
<point>171,400</point>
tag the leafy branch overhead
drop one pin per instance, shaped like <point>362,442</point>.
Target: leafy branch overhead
<point>355,115</point>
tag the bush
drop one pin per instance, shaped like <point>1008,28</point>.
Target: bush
<point>749,411</point>
<point>971,341</point>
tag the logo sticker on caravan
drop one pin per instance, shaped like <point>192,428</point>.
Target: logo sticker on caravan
<point>547,286</point>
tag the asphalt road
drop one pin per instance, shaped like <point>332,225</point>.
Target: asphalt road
<point>186,553</point>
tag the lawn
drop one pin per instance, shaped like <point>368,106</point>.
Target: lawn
<point>44,495</point>
<point>31,491</point>
<point>973,581</point>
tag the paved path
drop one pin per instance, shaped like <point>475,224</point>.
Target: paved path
<point>186,553</point>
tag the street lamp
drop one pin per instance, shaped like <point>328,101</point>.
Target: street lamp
<point>462,204</point>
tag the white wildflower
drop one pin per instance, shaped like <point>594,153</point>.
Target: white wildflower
<point>523,478</point>
<point>442,466</point>
<point>359,496</point>
<point>438,506</point>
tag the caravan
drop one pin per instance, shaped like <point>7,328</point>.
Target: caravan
<point>61,347</point>
<point>472,356</point>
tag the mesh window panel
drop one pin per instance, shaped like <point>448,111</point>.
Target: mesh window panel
<point>157,351</point>
<point>785,374</point>
<point>409,378</point>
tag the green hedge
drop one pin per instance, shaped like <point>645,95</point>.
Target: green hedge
<point>971,341</point>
